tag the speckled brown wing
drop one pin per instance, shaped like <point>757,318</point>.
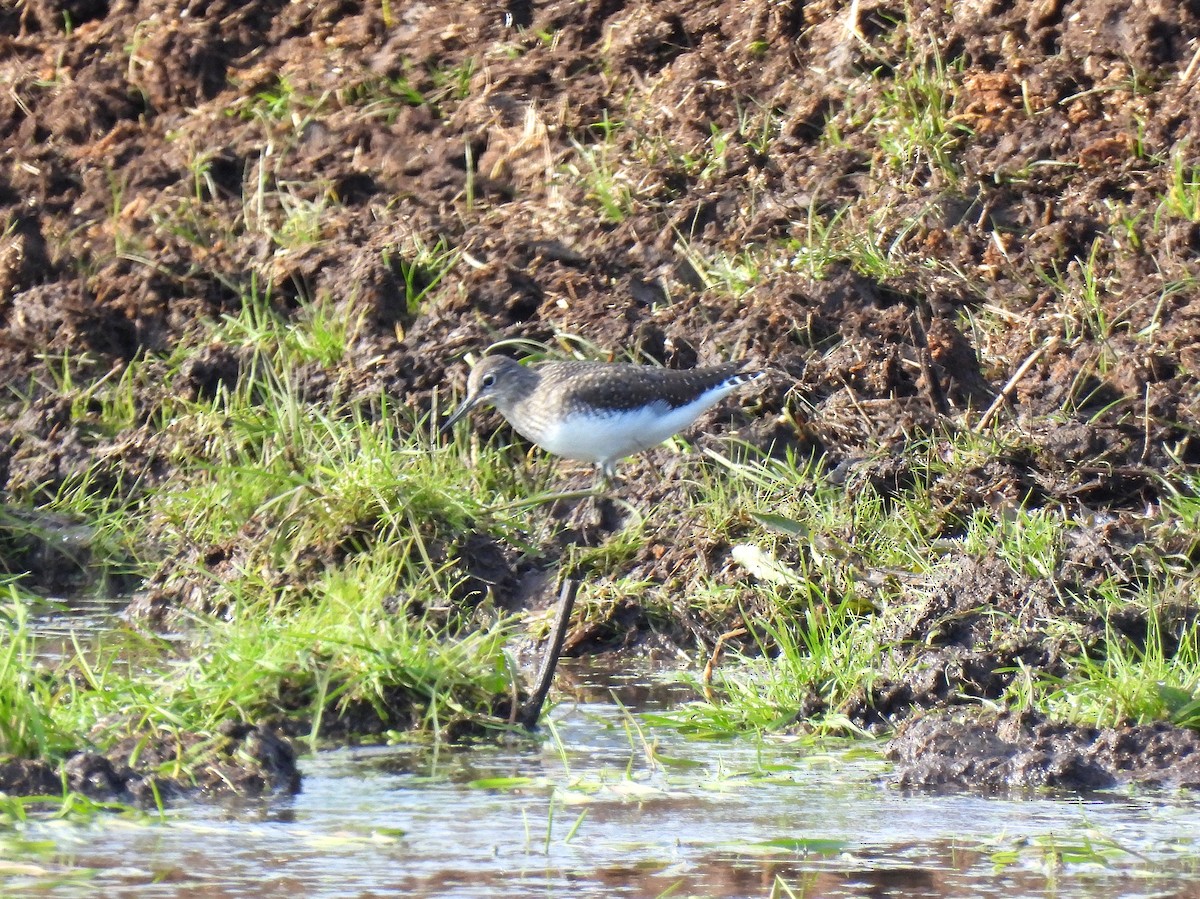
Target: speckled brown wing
<point>585,385</point>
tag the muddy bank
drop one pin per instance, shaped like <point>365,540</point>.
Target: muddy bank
<point>1015,752</point>
<point>243,760</point>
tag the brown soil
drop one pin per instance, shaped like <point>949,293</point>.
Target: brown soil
<point>119,116</point>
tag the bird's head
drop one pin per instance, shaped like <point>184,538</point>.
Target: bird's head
<point>494,380</point>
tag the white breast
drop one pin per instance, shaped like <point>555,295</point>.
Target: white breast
<point>606,438</point>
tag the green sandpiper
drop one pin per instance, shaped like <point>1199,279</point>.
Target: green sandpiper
<point>598,412</point>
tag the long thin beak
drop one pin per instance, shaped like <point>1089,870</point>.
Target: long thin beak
<point>463,408</point>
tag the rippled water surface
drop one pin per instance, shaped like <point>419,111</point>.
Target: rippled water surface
<point>610,805</point>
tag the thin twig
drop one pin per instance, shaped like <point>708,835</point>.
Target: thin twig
<point>566,602</point>
<point>1146,425</point>
<point>852,24</point>
<point>1009,387</point>
<point>715,659</point>
<point>1191,67</point>
<point>933,385</point>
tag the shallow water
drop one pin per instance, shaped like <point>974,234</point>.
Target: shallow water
<point>67,626</point>
<point>607,805</point>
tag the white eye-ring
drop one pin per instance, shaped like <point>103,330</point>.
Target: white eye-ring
<point>487,380</point>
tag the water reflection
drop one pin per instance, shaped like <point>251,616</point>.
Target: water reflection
<point>585,681</point>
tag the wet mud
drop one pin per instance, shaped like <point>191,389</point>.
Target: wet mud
<point>244,760</point>
<point>1025,751</point>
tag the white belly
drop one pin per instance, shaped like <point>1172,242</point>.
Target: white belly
<point>606,438</point>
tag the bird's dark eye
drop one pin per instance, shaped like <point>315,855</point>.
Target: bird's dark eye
<point>487,380</point>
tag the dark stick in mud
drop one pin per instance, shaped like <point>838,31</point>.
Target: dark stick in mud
<point>937,396</point>
<point>566,602</point>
